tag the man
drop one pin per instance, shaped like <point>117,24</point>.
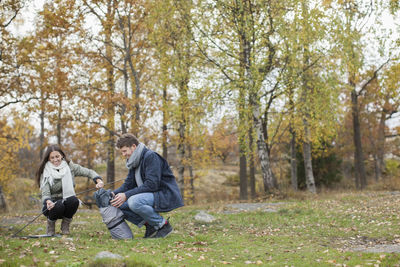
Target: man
<point>149,188</point>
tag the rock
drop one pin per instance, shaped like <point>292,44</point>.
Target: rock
<point>203,216</point>
<point>384,248</point>
<point>107,254</point>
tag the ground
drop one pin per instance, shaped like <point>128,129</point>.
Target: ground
<point>333,229</point>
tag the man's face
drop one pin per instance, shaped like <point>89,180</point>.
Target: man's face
<point>127,151</point>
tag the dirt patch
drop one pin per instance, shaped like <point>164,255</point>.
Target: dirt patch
<point>210,186</point>
<point>370,245</point>
<point>379,249</point>
<point>246,207</point>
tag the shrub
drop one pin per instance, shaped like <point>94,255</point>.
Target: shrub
<point>326,169</point>
<point>392,168</point>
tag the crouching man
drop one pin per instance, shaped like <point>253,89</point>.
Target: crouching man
<point>150,188</point>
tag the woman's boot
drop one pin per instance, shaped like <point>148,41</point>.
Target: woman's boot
<point>51,227</point>
<point>65,225</point>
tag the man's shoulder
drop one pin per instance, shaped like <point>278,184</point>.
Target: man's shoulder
<point>150,153</point>
<point>147,152</point>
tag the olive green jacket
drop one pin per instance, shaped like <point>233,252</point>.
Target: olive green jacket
<point>55,191</point>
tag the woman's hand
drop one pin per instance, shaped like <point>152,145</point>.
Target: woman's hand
<point>50,204</point>
<point>99,183</point>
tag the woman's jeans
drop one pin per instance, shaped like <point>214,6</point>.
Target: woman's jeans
<point>139,209</point>
<point>62,208</point>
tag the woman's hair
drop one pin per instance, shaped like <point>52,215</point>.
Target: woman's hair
<point>45,159</point>
<point>127,140</point>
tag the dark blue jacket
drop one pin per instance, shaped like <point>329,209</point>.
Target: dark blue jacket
<point>157,178</point>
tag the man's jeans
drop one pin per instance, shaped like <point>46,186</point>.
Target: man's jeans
<point>138,209</point>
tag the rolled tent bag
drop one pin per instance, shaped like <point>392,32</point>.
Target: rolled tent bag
<point>113,217</point>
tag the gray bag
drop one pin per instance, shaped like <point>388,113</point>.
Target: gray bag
<point>112,216</point>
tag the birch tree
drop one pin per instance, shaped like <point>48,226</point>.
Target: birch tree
<point>353,23</point>
<point>245,45</point>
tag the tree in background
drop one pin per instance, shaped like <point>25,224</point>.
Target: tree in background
<point>13,87</point>
<point>13,137</point>
<point>223,140</point>
<point>94,69</point>
<point>326,168</point>
<point>354,15</point>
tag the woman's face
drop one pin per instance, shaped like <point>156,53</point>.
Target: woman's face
<point>55,158</point>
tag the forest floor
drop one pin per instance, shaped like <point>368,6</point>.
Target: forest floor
<point>331,229</point>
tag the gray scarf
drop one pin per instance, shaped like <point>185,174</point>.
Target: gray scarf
<point>134,162</point>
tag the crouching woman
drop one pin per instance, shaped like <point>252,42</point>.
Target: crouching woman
<point>56,179</point>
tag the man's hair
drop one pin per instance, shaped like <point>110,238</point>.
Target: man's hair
<point>127,140</point>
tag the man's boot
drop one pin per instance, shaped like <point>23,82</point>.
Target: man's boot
<point>51,227</point>
<point>150,231</point>
<point>65,225</point>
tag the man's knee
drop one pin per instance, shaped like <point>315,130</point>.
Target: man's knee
<point>135,203</point>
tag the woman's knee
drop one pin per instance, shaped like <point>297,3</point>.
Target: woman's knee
<point>72,202</point>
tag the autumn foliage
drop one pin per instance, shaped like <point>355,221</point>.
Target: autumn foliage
<point>245,83</point>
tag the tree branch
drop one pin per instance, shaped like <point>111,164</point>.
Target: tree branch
<point>363,86</point>
<point>17,101</point>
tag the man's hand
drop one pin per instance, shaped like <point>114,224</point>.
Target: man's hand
<point>50,204</point>
<point>118,200</point>
<point>99,183</point>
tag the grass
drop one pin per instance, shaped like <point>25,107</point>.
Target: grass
<point>313,231</point>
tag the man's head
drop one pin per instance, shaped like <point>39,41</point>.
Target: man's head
<point>127,143</point>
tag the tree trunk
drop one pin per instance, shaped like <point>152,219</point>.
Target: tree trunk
<point>181,169</point>
<point>310,182</point>
<point>267,174</point>
<point>293,160</point>
<point>42,112</point>
<point>358,152</point>
<point>191,175</point>
<point>3,204</point>
<point>252,168</point>
<point>111,161</point>
<point>59,122</point>
<point>137,91</point>
<point>242,146</point>
<point>164,124</point>
<point>89,156</point>
<point>244,87</point>
<point>243,175</point>
<point>110,88</point>
<point>182,154</point>
<point>380,154</point>
<point>126,82</point>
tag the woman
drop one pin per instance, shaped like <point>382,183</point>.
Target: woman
<point>56,179</point>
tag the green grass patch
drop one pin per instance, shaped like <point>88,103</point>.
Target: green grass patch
<point>322,231</point>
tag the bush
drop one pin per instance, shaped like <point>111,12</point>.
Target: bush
<point>392,168</point>
<point>326,169</point>
<point>23,194</point>
<point>232,180</point>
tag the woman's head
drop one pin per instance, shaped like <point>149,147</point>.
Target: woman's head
<point>55,155</point>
